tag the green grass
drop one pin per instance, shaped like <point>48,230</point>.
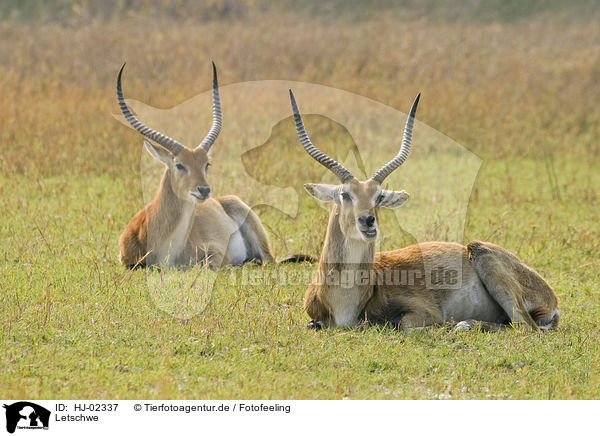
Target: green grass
<point>75,324</point>
<point>514,82</point>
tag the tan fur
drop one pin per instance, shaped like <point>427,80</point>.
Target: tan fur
<point>503,272</point>
<point>206,226</point>
<point>490,271</point>
<point>251,227</point>
<point>417,286</point>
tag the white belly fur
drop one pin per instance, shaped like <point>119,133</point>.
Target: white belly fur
<point>236,250</point>
<point>472,301</point>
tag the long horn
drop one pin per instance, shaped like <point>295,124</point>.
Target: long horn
<point>217,116</point>
<point>387,169</point>
<point>343,174</point>
<point>168,143</point>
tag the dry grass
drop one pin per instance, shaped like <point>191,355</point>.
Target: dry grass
<point>523,88</point>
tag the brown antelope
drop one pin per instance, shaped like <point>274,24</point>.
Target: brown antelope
<point>487,286</point>
<point>182,225</point>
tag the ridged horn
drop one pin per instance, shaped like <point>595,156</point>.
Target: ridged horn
<point>387,169</point>
<point>336,168</point>
<point>168,143</point>
<point>217,116</point>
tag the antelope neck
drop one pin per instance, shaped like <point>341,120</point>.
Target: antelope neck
<point>343,267</point>
<point>171,221</point>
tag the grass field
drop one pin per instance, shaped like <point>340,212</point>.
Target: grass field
<point>516,86</point>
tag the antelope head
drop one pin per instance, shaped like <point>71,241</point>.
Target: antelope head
<point>357,202</point>
<point>186,168</point>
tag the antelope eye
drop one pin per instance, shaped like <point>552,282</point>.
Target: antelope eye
<point>207,165</point>
<point>180,167</point>
<point>379,198</point>
<point>346,197</point>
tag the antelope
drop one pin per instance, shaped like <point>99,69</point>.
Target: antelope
<point>493,290</point>
<point>183,225</point>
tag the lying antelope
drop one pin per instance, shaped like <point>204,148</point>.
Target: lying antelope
<point>182,225</point>
<point>493,289</point>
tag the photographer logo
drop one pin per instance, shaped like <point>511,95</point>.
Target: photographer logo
<point>27,416</point>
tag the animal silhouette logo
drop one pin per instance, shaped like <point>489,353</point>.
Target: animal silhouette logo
<point>258,157</point>
<point>26,415</point>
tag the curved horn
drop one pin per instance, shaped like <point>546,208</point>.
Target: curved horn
<point>168,143</point>
<point>387,169</point>
<point>343,174</point>
<point>217,116</point>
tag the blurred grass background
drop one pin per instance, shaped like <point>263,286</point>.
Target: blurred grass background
<point>509,78</point>
<point>516,82</point>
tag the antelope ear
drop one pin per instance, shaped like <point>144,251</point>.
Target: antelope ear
<point>159,153</point>
<point>393,199</point>
<point>322,192</point>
